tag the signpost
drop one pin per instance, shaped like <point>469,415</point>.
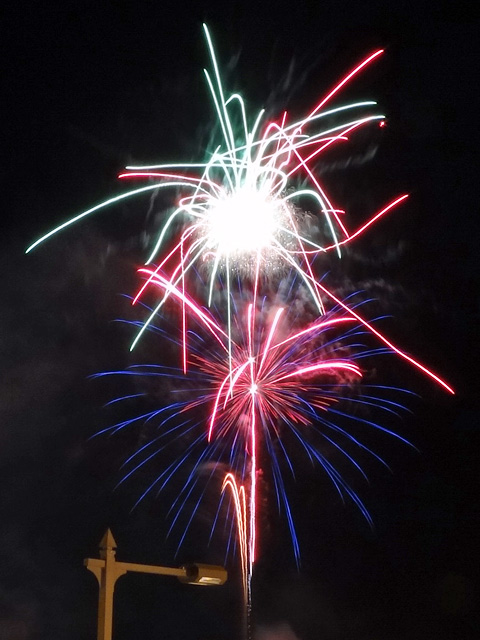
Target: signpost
<point>107,570</point>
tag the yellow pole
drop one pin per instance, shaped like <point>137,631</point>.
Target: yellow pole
<point>107,571</point>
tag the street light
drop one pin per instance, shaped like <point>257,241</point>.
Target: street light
<point>107,571</point>
<point>203,574</point>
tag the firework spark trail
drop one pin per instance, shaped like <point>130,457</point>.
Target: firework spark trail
<point>250,393</point>
<point>300,377</point>
<point>312,285</point>
<point>261,386</point>
<point>240,505</point>
<point>239,219</point>
<point>156,278</point>
<point>279,379</point>
<point>222,218</point>
<point>238,494</point>
<point>248,174</point>
<point>264,386</point>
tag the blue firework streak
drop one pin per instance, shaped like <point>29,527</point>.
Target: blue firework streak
<point>302,385</point>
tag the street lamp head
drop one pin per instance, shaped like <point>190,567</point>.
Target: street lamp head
<point>203,574</point>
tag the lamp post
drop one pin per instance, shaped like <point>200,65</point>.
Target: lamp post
<point>107,570</point>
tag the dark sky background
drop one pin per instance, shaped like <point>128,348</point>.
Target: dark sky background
<point>89,87</point>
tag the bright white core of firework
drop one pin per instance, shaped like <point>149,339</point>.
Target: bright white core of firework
<point>242,222</point>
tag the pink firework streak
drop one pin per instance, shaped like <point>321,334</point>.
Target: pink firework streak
<point>242,217</point>
<point>264,384</point>
<point>264,389</point>
<point>239,213</point>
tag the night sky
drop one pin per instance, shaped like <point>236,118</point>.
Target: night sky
<point>89,87</point>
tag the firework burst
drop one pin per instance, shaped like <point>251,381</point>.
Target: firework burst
<point>241,213</point>
<point>255,375</point>
<point>283,396</point>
